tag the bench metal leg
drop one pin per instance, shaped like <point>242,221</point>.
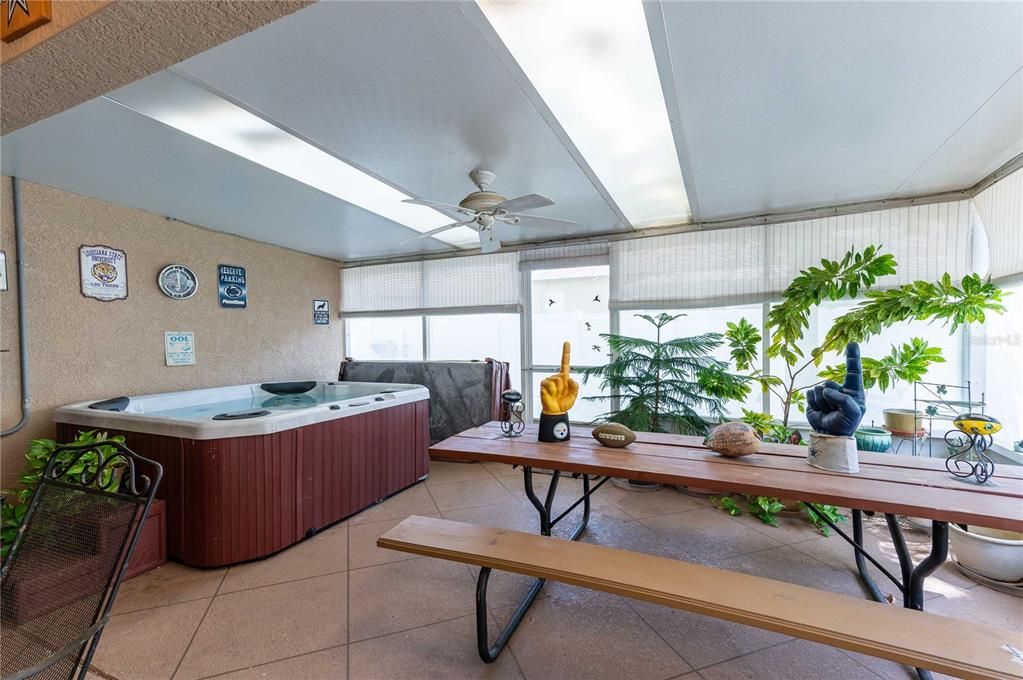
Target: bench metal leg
<point>488,652</point>
<point>911,584</point>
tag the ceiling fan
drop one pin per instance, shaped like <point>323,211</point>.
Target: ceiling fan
<point>483,209</point>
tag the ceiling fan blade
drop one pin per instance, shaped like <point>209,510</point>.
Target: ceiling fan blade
<point>537,221</point>
<point>488,241</point>
<point>446,208</point>
<point>434,232</point>
<point>527,202</point>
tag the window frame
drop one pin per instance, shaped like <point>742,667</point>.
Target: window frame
<point>529,369</point>
<point>968,353</point>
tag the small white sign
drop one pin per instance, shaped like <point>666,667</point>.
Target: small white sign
<point>104,272</point>
<point>179,348</point>
<point>3,270</point>
<point>321,313</point>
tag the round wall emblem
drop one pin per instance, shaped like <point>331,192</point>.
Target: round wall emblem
<point>177,281</point>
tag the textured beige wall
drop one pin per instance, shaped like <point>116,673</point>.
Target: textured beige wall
<point>82,54</point>
<point>82,348</point>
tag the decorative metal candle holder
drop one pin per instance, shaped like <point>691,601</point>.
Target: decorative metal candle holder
<point>968,444</point>
<point>512,424</point>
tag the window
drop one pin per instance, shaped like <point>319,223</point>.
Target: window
<point>476,336</point>
<point>383,338</point>
<point>899,396</point>
<point>997,348</point>
<point>697,322</point>
<point>458,337</point>
<point>569,304</point>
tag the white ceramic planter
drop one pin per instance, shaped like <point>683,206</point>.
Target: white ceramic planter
<point>989,552</point>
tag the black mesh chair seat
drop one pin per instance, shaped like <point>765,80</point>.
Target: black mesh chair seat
<point>62,573</point>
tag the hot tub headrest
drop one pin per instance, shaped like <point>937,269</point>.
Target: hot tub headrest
<point>288,387</point>
<point>115,404</point>
<point>241,415</point>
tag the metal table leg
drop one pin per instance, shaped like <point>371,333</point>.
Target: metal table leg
<point>488,652</point>
<point>911,584</point>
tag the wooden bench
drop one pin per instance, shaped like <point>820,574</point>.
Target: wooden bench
<point>902,635</point>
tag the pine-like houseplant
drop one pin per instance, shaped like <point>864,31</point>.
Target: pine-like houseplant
<point>665,385</point>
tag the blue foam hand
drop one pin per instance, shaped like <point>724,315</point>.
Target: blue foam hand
<point>838,409</point>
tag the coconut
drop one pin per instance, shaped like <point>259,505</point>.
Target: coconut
<point>733,440</point>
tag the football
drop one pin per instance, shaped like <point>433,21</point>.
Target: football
<point>614,435</point>
<point>733,440</point>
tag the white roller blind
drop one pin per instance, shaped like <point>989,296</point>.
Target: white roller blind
<point>555,257</point>
<point>696,269</point>
<point>476,284</point>
<point>926,240</point>
<point>754,264</point>
<point>1000,208</point>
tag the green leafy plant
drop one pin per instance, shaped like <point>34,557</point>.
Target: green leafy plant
<point>764,508</point>
<point>767,508</point>
<point>665,385</point>
<point>770,428</point>
<point>830,511</point>
<point>726,503</point>
<point>943,301</point>
<point>908,362</point>
<point>38,455</point>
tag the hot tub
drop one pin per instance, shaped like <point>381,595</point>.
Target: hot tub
<point>252,469</point>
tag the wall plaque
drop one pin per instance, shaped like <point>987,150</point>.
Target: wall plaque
<point>233,291</point>
<point>104,272</point>
<point>321,313</point>
<point>179,348</point>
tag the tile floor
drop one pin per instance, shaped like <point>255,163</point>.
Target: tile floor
<point>337,607</point>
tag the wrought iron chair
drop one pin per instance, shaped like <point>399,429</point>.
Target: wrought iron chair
<point>61,576</point>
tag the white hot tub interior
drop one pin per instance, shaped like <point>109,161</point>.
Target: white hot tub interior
<point>239,410</point>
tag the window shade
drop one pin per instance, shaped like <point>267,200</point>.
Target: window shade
<point>754,264</point>
<point>1000,208</point>
<point>475,284</point>
<point>556,257</point>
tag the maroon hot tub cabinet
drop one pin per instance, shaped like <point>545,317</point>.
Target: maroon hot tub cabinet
<point>240,498</point>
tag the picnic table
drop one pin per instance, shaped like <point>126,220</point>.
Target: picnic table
<point>887,484</point>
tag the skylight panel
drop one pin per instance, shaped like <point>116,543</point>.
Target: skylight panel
<point>185,106</point>
<point>593,64</point>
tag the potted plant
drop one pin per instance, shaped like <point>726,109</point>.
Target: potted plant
<point>944,301</point>
<point>37,456</point>
<point>665,385</point>
<point>988,553</point>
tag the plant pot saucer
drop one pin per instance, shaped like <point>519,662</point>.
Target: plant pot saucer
<point>1001,586</point>
<point>697,492</point>
<point>630,485</point>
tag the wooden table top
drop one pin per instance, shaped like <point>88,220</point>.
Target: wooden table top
<point>905,485</point>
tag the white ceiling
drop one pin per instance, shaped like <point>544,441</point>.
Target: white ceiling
<point>792,105</point>
<point>775,106</point>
